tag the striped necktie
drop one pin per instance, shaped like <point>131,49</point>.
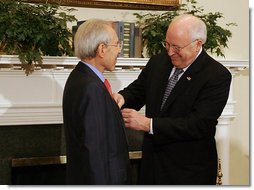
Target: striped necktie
<point>171,83</point>
<point>108,86</point>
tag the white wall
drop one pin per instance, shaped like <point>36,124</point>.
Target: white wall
<point>237,12</point>
<point>238,49</point>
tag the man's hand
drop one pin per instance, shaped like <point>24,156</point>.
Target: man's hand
<point>135,120</point>
<point>118,99</point>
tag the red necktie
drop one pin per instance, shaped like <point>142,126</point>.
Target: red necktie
<point>108,86</point>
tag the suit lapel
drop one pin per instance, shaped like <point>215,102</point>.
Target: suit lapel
<point>179,88</point>
<point>187,78</point>
<point>162,85</point>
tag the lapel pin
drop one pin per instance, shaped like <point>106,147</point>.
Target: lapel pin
<point>188,78</point>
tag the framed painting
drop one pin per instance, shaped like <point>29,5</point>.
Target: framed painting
<point>117,4</point>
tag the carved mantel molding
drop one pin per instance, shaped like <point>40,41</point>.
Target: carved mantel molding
<point>39,96</point>
<point>117,4</point>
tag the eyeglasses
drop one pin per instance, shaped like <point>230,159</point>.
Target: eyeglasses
<point>119,44</point>
<point>174,47</point>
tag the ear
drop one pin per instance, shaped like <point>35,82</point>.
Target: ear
<point>199,44</point>
<point>101,49</point>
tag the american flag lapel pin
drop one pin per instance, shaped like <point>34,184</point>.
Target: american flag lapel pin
<point>189,78</point>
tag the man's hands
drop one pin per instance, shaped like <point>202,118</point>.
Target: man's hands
<point>118,99</point>
<point>135,120</point>
<point>132,118</point>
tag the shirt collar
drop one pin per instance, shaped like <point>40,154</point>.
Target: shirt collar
<point>95,70</point>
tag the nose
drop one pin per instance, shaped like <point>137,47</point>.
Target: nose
<point>170,51</point>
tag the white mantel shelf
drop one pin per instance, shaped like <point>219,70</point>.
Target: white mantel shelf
<point>36,99</point>
<point>51,60</point>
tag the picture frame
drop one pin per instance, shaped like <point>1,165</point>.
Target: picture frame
<point>117,4</point>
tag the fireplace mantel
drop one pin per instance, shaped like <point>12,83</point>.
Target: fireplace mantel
<point>37,98</point>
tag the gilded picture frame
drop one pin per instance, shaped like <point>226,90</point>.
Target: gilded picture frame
<point>118,4</point>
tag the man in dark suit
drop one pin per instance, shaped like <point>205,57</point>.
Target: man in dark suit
<point>179,145</point>
<point>96,144</point>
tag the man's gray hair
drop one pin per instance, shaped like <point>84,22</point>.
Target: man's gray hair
<point>89,35</point>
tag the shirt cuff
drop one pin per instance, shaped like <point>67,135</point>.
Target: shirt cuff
<point>151,127</point>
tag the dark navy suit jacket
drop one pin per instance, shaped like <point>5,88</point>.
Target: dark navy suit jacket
<point>96,144</point>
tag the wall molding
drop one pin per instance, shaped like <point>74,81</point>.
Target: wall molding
<point>132,62</point>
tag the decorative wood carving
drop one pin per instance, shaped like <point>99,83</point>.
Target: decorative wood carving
<point>219,175</point>
<point>117,4</point>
